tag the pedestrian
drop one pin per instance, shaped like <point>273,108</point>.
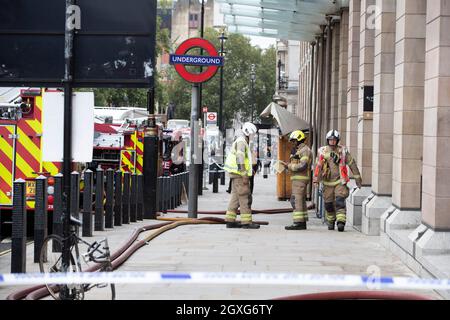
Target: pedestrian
<point>239,167</point>
<point>331,170</point>
<point>300,167</point>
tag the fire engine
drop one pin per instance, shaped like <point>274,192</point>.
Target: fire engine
<point>20,142</point>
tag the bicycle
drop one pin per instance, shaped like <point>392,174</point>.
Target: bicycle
<point>50,260</point>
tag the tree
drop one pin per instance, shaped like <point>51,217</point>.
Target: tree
<point>237,95</point>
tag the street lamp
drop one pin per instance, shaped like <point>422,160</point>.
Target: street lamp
<point>222,39</point>
<point>253,79</point>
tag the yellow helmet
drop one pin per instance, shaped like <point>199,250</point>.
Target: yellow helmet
<point>297,135</point>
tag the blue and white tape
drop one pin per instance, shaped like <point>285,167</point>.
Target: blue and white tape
<point>290,279</point>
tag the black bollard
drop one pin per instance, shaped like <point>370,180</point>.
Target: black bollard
<point>158,194</point>
<point>99,220</point>
<point>40,216</point>
<point>118,198</point>
<point>19,228</point>
<point>109,204</point>
<point>222,177</point>
<point>164,194</point>
<point>215,181</point>
<point>75,196</point>
<point>140,192</point>
<point>151,151</point>
<point>171,192</point>
<point>133,198</point>
<point>126,198</point>
<point>87,203</point>
<point>57,208</point>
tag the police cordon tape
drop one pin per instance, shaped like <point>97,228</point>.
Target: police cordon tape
<point>291,279</point>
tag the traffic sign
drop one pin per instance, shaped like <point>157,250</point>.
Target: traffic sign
<point>212,62</point>
<point>211,118</point>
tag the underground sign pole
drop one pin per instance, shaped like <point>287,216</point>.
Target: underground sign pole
<point>212,62</point>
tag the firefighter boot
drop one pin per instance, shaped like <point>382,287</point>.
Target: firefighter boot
<point>251,226</point>
<point>297,226</point>
<point>341,226</point>
<point>234,225</point>
<point>330,226</point>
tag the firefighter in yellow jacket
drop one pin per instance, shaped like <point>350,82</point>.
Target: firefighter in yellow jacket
<point>239,166</point>
<point>300,167</point>
<point>331,169</point>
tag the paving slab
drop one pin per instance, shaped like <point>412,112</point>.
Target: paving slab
<point>214,248</point>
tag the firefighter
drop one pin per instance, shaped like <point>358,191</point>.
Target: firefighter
<point>331,169</point>
<point>300,167</point>
<point>239,166</point>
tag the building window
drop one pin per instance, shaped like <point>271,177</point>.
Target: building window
<point>193,20</point>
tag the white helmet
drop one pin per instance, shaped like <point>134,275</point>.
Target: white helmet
<point>249,128</point>
<point>334,134</point>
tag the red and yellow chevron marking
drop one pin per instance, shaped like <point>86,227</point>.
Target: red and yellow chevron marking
<point>138,140</point>
<point>21,158</point>
<point>127,164</point>
<point>6,164</point>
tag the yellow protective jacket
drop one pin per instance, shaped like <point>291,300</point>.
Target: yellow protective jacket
<point>239,160</point>
<point>300,163</point>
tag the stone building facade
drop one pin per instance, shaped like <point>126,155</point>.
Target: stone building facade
<point>385,66</point>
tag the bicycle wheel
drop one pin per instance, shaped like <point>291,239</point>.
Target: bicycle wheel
<point>50,261</point>
<point>101,291</point>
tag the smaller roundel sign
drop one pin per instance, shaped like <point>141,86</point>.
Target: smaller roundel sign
<point>212,62</point>
<point>212,116</point>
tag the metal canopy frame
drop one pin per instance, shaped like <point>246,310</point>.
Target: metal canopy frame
<point>281,19</point>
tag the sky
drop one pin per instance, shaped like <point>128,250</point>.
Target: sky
<point>262,42</point>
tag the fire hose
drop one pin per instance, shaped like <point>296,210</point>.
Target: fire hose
<point>124,252</point>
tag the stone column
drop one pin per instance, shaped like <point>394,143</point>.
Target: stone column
<point>436,154</point>
<point>353,76</point>
<point>384,74</point>
<point>334,114</point>
<point>354,202</point>
<point>399,221</point>
<point>343,73</point>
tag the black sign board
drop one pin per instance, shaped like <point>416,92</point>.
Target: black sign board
<point>368,99</point>
<point>114,43</point>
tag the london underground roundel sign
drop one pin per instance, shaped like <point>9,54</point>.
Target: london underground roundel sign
<point>212,62</point>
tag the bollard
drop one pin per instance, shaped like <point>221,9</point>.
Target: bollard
<point>140,192</point>
<point>75,196</point>
<point>158,194</point>
<point>186,182</point>
<point>118,198</point>
<point>99,219</point>
<point>58,208</point>
<point>171,192</point>
<point>109,204</point>
<point>40,216</point>
<point>126,198</point>
<point>178,193</point>
<point>222,178</point>
<point>133,198</point>
<point>164,194</point>
<point>19,228</point>
<point>215,181</point>
<point>87,203</point>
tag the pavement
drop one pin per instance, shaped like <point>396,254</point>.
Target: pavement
<point>212,247</point>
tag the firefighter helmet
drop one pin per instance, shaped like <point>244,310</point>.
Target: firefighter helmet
<point>249,128</point>
<point>297,135</point>
<point>334,134</point>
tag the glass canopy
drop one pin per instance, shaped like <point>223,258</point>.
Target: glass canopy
<point>281,19</point>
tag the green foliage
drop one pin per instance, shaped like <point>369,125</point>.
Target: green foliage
<point>237,93</point>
